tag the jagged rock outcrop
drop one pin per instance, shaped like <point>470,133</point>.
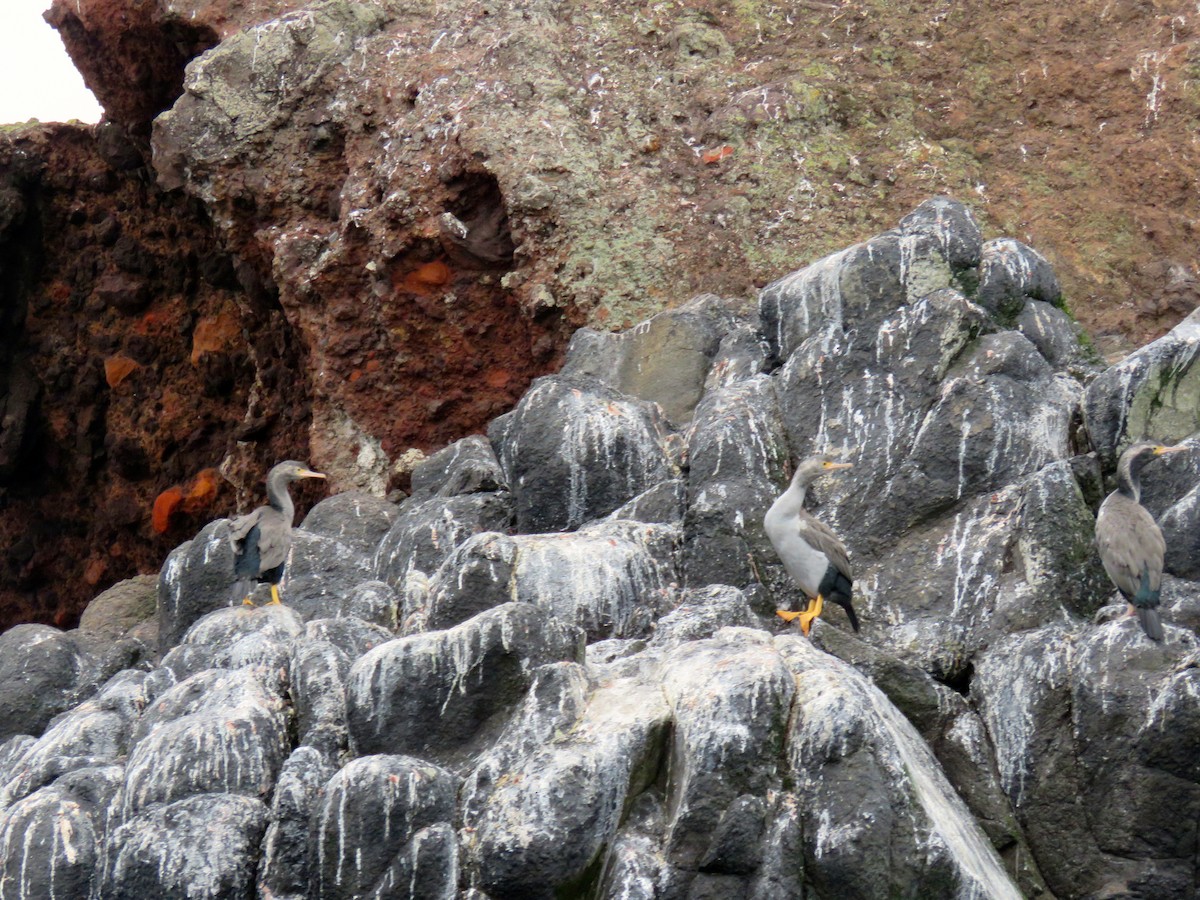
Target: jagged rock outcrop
<point>338,230</point>
<point>554,668</point>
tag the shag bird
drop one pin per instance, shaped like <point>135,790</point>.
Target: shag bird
<point>811,553</point>
<point>1130,542</point>
<point>262,539</point>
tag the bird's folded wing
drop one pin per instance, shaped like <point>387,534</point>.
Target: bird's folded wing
<point>240,527</point>
<point>820,536</point>
<point>1129,545</point>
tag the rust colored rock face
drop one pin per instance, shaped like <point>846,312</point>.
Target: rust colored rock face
<point>103,406</point>
<point>131,55</point>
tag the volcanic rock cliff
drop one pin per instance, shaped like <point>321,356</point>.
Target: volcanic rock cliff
<point>553,670</point>
<point>339,231</point>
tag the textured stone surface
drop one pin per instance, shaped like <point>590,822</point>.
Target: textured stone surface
<point>613,710</point>
<point>1152,393</point>
<point>575,450</point>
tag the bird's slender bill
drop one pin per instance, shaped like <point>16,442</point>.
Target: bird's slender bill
<point>837,465</point>
<point>309,473</point>
<point>1159,451</point>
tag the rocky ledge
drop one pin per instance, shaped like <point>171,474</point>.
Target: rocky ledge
<point>554,671</point>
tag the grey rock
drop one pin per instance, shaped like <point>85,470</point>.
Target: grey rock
<point>96,733</point>
<point>868,400</point>
<point>40,672</point>
<point>122,607</point>
<point>468,466</point>
<point>253,79</point>
<point>575,450</point>
<point>1181,529</point>
<point>701,613</point>
<point>321,575</point>
<point>196,579</point>
<point>1010,274</point>
<point>737,432</point>
<point>591,758</point>
<point>218,732</point>
<point>664,504</point>
<point>856,288</point>
<point>1055,335</point>
<point>286,869</point>
<point>384,827</point>
<point>441,695</point>
<point>953,227</point>
<point>427,532</point>
<point>727,743</point>
<point>50,840</point>
<point>201,847</point>
<point>1153,393</point>
<point>1011,560</point>
<point>896,825</point>
<point>607,579</point>
<point>235,637</point>
<point>665,360</point>
<point>723,538</point>
<point>351,635</point>
<point>355,519</point>
<point>318,687</point>
<point>1075,720</point>
<point>476,577</point>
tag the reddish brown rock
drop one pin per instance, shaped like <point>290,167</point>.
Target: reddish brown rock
<point>102,407</point>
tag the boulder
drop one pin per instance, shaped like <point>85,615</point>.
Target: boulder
<point>856,288</point>
<point>727,745</point>
<point>50,841</point>
<point>468,466</point>
<point>202,846</point>
<point>574,450</point>
<point>878,816</point>
<point>354,519</point>
<point>1011,274</point>
<point>40,671</point>
<point>591,753</point>
<point>124,606</point>
<point>322,574</point>
<point>384,827</point>
<point>95,734</point>
<point>444,694</point>
<point>285,870</point>
<point>425,533</point>
<point>664,360</point>
<point>196,579</point>
<point>217,732</point>
<point>1152,393</point>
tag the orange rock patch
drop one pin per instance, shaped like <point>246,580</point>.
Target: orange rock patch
<point>213,334</point>
<point>117,369</point>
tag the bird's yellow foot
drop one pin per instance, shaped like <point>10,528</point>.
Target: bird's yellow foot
<point>809,615</point>
<point>786,614</point>
<point>275,601</point>
<point>247,601</point>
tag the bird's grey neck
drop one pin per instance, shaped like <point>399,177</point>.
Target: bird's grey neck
<point>792,500</point>
<point>1129,480</point>
<point>279,498</point>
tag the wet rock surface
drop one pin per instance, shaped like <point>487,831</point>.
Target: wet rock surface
<point>554,669</point>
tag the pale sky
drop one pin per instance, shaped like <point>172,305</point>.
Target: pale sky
<point>37,78</point>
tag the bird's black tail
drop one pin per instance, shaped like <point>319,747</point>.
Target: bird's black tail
<point>844,603</point>
<point>1151,623</point>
